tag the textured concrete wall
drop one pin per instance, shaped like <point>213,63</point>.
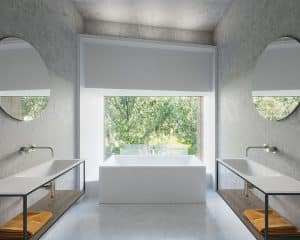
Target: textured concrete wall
<point>95,27</point>
<point>248,27</point>
<point>51,27</point>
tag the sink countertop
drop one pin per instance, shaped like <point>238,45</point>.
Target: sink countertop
<point>277,185</point>
<point>20,185</point>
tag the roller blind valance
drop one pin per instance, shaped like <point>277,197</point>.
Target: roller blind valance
<point>109,63</point>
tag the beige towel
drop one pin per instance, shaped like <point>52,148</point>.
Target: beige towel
<point>278,225</point>
<point>14,228</point>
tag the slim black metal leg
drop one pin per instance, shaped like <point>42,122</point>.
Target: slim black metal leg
<point>25,235</point>
<point>266,217</point>
<point>217,176</point>
<point>84,177</point>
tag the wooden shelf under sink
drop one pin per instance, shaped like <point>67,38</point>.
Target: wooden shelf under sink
<point>238,203</point>
<point>62,201</point>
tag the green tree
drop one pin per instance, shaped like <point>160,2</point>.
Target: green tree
<point>151,121</point>
<point>277,107</point>
<point>32,107</point>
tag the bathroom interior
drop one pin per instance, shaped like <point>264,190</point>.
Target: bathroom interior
<point>149,120</point>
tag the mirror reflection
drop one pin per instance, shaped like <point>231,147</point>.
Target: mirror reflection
<point>276,83</point>
<point>25,87</point>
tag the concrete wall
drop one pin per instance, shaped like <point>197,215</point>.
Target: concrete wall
<point>95,27</point>
<point>245,31</point>
<point>51,27</point>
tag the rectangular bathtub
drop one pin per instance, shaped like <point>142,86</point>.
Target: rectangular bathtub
<point>152,180</point>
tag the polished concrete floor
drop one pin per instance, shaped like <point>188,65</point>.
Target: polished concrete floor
<point>88,221</point>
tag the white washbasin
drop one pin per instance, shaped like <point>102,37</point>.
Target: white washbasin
<point>23,183</point>
<point>248,167</point>
<point>265,179</point>
<point>48,169</point>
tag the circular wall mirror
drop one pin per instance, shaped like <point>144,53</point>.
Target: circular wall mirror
<point>276,80</point>
<point>25,85</point>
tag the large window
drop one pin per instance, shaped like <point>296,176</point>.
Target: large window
<point>152,125</point>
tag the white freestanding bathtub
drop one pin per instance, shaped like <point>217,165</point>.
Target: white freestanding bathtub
<point>152,180</point>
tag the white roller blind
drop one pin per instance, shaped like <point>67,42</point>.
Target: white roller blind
<point>130,64</point>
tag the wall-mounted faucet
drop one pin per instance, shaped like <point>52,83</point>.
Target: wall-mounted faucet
<point>265,147</point>
<point>32,148</point>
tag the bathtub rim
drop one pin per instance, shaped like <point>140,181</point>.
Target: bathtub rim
<point>194,162</point>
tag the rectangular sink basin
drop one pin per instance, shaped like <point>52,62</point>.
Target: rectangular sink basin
<point>263,178</point>
<point>48,169</point>
<point>23,183</point>
<point>249,168</point>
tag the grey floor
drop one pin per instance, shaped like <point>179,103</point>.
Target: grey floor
<point>87,221</point>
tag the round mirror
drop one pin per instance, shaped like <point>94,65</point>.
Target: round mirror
<point>25,85</point>
<point>276,80</point>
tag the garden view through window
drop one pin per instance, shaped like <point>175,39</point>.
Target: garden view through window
<point>152,125</point>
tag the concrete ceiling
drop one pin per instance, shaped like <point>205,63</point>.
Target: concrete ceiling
<point>198,15</point>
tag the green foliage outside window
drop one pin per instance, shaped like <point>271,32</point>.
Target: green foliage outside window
<point>32,107</point>
<point>151,121</point>
<point>276,108</point>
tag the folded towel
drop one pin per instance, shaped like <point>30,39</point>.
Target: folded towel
<point>278,225</point>
<point>14,228</point>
